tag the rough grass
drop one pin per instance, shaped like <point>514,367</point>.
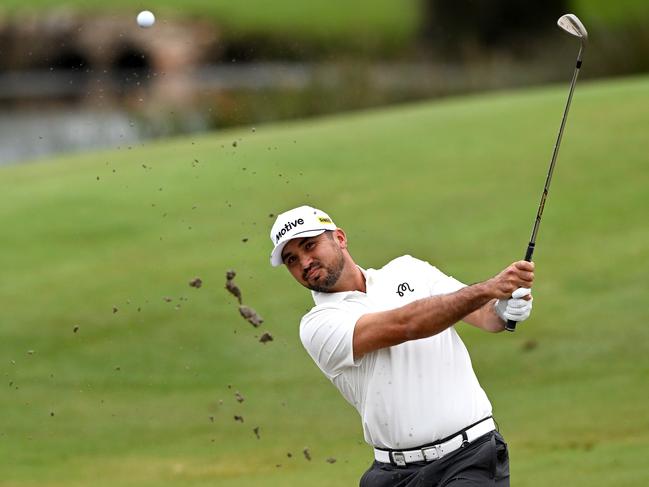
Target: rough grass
<point>134,397</point>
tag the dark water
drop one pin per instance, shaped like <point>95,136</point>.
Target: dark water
<point>30,135</point>
<point>47,113</point>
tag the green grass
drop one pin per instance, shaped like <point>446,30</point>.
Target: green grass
<point>455,182</point>
<point>604,12</point>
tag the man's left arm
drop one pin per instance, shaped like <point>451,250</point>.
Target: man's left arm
<point>493,315</point>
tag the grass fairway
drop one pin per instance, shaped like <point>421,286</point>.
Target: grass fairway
<point>144,395</point>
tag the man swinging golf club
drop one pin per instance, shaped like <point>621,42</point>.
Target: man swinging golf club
<point>386,339</point>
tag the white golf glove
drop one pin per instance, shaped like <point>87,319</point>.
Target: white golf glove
<point>516,308</point>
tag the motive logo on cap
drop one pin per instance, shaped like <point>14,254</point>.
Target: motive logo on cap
<point>288,227</point>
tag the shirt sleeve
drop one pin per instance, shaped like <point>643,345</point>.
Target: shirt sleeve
<point>327,334</point>
<point>443,284</point>
<point>438,282</point>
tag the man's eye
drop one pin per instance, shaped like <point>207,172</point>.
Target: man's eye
<point>310,245</point>
<point>290,260</point>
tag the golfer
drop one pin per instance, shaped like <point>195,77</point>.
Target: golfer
<point>386,339</point>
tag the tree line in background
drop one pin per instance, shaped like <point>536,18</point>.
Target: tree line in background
<point>451,26</point>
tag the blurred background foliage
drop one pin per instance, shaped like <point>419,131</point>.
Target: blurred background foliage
<point>361,27</point>
<point>214,64</point>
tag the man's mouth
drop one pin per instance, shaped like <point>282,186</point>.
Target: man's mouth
<point>312,273</point>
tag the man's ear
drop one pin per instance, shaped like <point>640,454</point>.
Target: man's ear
<point>340,237</point>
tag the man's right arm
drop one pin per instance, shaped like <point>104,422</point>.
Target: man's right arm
<point>429,316</point>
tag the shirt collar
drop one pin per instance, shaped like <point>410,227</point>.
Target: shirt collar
<point>324,298</point>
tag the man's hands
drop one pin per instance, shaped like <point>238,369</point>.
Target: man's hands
<point>519,274</point>
<point>518,308</point>
<point>512,288</point>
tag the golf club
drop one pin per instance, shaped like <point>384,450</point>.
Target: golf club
<point>573,26</point>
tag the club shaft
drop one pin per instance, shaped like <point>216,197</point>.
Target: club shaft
<point>511,325</point>
<point>555,152</point>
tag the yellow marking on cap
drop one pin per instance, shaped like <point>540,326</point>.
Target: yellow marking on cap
<point>323,219</point>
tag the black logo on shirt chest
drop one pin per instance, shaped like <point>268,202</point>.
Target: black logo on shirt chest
<point>402,288</point>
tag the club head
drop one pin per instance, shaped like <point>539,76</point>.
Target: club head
<point>573,26</point>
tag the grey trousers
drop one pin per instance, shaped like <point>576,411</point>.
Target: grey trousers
<point>485,462</point>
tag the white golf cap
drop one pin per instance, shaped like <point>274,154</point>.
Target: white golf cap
<point>304,221</point>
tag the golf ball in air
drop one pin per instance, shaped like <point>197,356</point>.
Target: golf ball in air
<point>145,18</point>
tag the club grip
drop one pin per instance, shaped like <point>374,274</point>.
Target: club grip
<point>511,324</point>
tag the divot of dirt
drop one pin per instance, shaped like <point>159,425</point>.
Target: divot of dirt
<point>251,315</point>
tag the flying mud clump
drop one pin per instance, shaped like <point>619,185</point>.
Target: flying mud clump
<point>231,286</point>
<point>266,337</point>
<point>197,282</point>
<point>246,311</point>
<point>251,315</point>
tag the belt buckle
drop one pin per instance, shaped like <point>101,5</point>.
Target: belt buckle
<point>399,458</point>
<point>437,449</point>
<point>465,439</point>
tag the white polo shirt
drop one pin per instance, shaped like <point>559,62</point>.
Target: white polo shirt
<point>410,394</point>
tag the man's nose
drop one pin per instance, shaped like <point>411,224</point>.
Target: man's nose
<point>305,262</point>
